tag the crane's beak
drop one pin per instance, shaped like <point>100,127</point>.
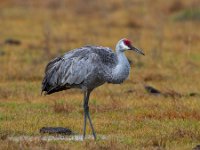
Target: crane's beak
<point>136,50</point>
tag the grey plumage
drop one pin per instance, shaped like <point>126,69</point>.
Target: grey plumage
<point>87,68</point>
<point>78,68</point>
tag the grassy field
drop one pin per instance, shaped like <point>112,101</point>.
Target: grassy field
<point>33,32</point>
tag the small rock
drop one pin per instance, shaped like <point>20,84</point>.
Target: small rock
<point>12,42</point>
<point>152,90</point>
<point>56,130</point>
<point>194,94</point>
<point>196,148</point>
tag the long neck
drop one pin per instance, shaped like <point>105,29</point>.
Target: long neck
<point>121,70</point>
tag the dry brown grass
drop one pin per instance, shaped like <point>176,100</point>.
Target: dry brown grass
<point>131,117</point>
<point>64,108</point>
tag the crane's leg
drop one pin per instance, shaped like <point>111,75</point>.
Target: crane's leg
<point>87,114</point>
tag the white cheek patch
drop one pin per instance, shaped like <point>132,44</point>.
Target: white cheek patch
<point>124,46</point>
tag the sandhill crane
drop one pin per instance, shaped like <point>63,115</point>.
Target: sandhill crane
<point>87,68</point>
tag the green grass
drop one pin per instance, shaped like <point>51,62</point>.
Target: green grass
<point>191,14</point>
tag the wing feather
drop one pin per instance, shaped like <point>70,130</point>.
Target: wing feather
<point>67,72</point>
<point>75,66</point>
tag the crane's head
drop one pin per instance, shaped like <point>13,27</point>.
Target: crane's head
<point>125,44</point>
